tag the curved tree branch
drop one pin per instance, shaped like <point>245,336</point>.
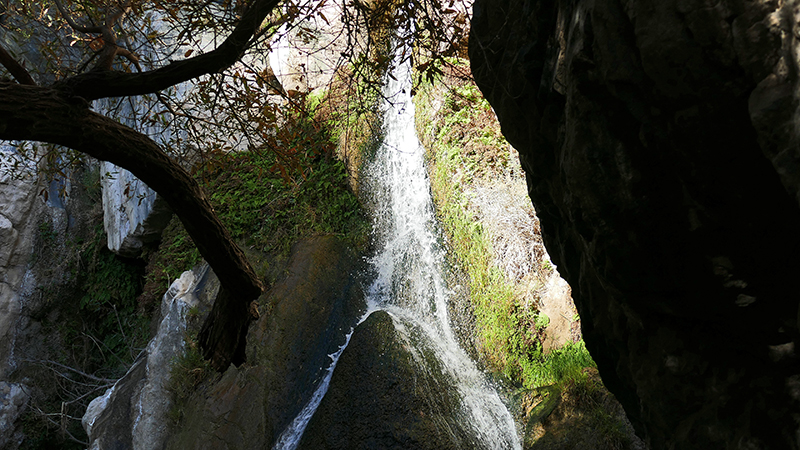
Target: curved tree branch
<point>43,114</point>
<point>110,48</point>
<point>68,17</point>
<point>15,68</point>
<point>102,84</point>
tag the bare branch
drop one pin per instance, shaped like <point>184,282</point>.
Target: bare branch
<point>101,84</point>
<point>129,56</point>
<point>112,19</point>
<point>73,24</point>
<point>72,369</point>
<point>15,68</point>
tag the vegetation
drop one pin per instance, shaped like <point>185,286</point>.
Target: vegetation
<point>266,207</point>
<point>91,331</point>
<point>560,398</point>
<point>186,373</point>
<point>107,309</point>
<point>98,50</point>
<point>466,148</point>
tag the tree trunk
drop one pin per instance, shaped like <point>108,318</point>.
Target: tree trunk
<point>42,114</point>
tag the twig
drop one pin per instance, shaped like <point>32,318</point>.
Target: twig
<point>73,24</point>
<point>45,362</point>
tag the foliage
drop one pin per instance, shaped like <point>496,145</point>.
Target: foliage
<point>90,332</point>
<point>560,366</point>
<point>466,147</point>
<point>268,212</point>
<point>107,309</point>
<point>231,109</point>
<point>265,206</point>
<point>175,254</point>
<point>186,372</point>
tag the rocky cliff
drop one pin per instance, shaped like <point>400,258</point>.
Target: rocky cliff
<point>659,143</point>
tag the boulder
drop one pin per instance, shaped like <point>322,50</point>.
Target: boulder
<point>133,413</point>
<point>660,152</point>
<point>383,396</point>
<point>305,317</point>
<point>13,401</point>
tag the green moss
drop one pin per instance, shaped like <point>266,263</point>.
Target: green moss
<point>267,202</point>
<point>98,323</point>
<point>186,372</point>
<point>465,146</point>
<point>176,254</point>
<point>90,326</point>
<point>269,213</point>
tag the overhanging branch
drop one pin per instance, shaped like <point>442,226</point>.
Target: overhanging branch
<point>103,84</point>
<point>42,114</point>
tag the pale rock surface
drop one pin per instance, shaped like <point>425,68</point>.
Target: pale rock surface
<point>506,214</point>
<point>13,400</point>
<point>305,58</point>
<point>133,412</point>
<point>18,204</point>
<point>132,212</point>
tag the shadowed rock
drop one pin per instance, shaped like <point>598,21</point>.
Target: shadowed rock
<point>659,143</point>
<point>382,397</point>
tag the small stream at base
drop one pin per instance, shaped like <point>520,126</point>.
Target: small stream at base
<point>409,283</point>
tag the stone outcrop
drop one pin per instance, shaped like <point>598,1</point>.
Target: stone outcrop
<point>18,207</point>
<point>133,214</point>
<point>659,143</point>
<point>133,413</point>
<point>305,317</point>
<point>381,396</point>
<point>13,400</point>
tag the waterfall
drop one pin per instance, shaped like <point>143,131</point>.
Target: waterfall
<point>408,279</point>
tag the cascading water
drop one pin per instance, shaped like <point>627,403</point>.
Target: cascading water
<point>409,283</point>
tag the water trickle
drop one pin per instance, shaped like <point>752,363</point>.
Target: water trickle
<point>409,283</point>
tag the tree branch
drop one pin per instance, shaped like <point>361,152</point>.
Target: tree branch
<point>20,74</point>
<point>102,84</point>
<point>43,114</point>
<point>73,24</point>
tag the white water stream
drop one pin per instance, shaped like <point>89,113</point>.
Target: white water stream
<point>409,283</point>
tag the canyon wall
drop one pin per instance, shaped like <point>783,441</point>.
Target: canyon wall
<point>658,139</point>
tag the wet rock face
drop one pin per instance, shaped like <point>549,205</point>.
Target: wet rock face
<point>133,413</point>
<point>658,141</point>
<point>13,400</point>
<point>381,396</point>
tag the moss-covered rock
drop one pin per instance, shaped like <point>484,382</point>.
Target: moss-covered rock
<point>582,414</point>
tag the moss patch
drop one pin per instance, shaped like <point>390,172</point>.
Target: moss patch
<point>266,209</point>
<point>465,148</point>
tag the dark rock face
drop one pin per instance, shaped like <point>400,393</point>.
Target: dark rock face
<point>304,317</point>
<point>381,397</point>
<point>658,138</point>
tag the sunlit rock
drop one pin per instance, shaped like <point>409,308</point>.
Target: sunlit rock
<point>305,57</point>
<point>133,214</point>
